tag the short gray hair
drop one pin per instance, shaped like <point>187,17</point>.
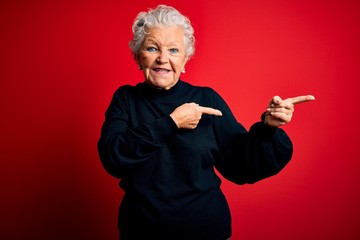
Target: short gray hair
<point>161,16</point>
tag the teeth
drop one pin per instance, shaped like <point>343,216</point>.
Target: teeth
<point>161,70</point>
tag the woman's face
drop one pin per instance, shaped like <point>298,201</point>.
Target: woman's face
<point>162,56</point>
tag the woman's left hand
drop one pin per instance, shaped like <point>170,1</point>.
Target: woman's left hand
<point>280,112</point>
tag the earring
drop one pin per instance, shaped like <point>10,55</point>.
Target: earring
<point>183,70</point>
<point>140,67</point>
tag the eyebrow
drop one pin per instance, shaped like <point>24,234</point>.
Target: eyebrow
<point>150,40</point>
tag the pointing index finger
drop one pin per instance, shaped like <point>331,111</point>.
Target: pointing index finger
<point>210,111</point>
<point>301,99</point>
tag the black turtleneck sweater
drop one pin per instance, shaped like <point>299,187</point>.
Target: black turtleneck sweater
<point>171,189</point>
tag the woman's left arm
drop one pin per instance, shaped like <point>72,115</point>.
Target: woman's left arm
<point>261,152</point>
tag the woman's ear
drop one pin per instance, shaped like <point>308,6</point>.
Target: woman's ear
<point>187,58</point>
<point>136,58</point>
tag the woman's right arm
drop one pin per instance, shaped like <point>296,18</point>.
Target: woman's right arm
<point>121,145</point>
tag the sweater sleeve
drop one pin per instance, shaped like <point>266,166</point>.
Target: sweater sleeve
<point>122,146</point>
<point>248,156</point>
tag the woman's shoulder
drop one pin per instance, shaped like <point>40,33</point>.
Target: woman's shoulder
<point>127,89</point>
<point>124,93</point>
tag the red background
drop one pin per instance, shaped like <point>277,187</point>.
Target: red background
<point>60,62</point>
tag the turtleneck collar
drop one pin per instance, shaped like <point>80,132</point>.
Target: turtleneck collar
<point>154,92</point>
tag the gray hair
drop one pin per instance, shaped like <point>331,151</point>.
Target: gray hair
<point>161,16</point>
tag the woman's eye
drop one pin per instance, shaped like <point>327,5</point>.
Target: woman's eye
<point>151,49</point>
<point>174,50</point>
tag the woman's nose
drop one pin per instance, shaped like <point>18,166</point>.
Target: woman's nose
<point>162,57</point>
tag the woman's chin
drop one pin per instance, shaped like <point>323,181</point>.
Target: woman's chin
<point>162,83</point>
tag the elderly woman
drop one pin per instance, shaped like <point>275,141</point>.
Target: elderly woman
<point>163,138</point>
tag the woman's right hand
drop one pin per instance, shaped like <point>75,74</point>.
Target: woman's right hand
<point>188,115</point>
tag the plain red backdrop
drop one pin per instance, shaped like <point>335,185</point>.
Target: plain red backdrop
<point>61,61</point>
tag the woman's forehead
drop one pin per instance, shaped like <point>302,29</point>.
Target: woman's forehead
<point>165,35</point>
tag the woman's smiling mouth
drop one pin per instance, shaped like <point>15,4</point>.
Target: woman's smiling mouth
<point>161,70</point>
